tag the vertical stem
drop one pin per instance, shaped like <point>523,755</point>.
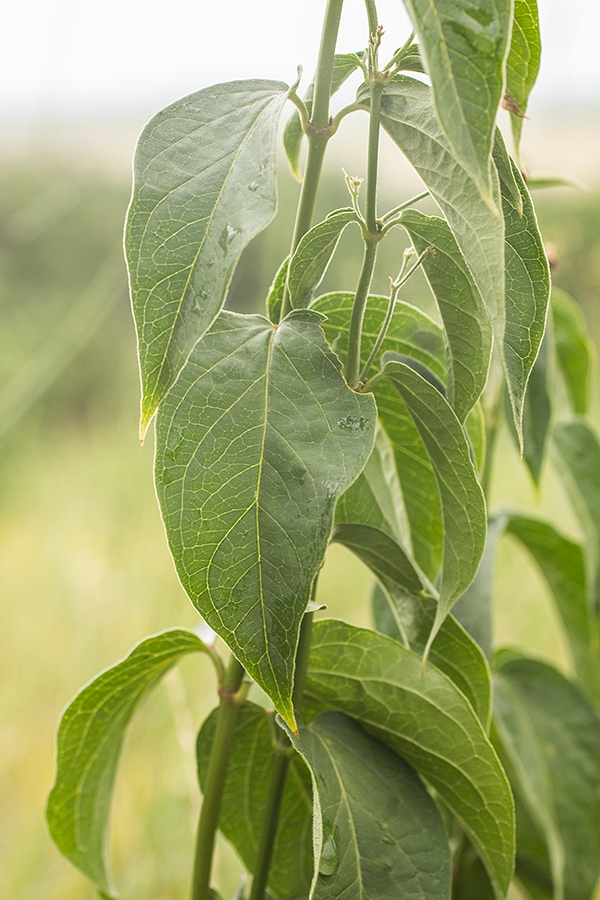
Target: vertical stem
<point>319,130</point>
<point>373,158</point>
<point>358,310</point>
<point>493,419</point>
<point>283,755</point>
<point>231,699</point>
<point>266,843</point>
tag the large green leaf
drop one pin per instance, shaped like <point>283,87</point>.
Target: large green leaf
<point>527,284</point>
<point>255,443</point>
<point>579,463</point>
<point>574,350</point>
<point>313,254</point>
<point>409,117</point>
<point>377,832</point>
<point>409,619</point>
<point>463,505</point>
<point>464,43</point>
<point>523,63</point>
<point>414,334</point>
<point>467,328</point>
<point>561,562</point>
<point>428,721</point>
<point>204,186</point>
<point>551,736</point>
<point>244,803</point>
<point>89,742</point>
<point>344,64</point>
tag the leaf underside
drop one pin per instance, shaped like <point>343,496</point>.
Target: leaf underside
<point>255,443</point>
<point>204,186</point>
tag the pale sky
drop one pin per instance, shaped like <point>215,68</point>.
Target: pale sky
<point>127,58</point>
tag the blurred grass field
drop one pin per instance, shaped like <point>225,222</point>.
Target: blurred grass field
<point>85,570</point>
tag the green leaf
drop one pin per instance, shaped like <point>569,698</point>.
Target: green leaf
<point>377,832</point>
<point>244,803</point>
<point>255,443</point>
<point>561,562</point>
<point>381,554</point>
<point>467,328</point>
<point>474,609</point>
<point>579,465</point>
<point>313,254</point>
<point>537,413</point>
<point>276,292</point>
<point>412,333</point>
<point>423,716</point>
<point>375,498</point>
<point>574,350</point>
<point>551,735</point>
<point>523,63</point>
<point>409,619</point>
<point>463,505</point>
<point>527,287</point>
<point>204,186</point>
<point>409,117</point>
<point>90,737</point>
<point>475,431</point>
<point>464,45</point>
<point>411,60</point>
<point>344,64</point>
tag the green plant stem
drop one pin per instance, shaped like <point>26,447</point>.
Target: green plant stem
<point>319,131</point>
<point>283,755</point>
<point>274,799</point>
<point>398,209</point>
<point>358,310</point>
<point>373,157</point>
<point>395,287</point>
<point>372,16</point>
<point>232,696</point>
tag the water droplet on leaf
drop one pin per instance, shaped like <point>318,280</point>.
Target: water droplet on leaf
<point>253,187</point>
<point>227,235</point>
<point>329,856</point>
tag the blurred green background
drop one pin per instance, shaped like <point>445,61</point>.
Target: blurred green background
<point>85,570</point>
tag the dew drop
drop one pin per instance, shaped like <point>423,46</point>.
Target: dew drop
<point>227,235</point>
<point>253,187</point>
<point>329,856</point>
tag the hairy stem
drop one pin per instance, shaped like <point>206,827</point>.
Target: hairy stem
<point>232,696</point>
<point>319,131</point>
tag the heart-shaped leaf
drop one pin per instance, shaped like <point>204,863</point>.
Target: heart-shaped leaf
<point>255,443</point>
